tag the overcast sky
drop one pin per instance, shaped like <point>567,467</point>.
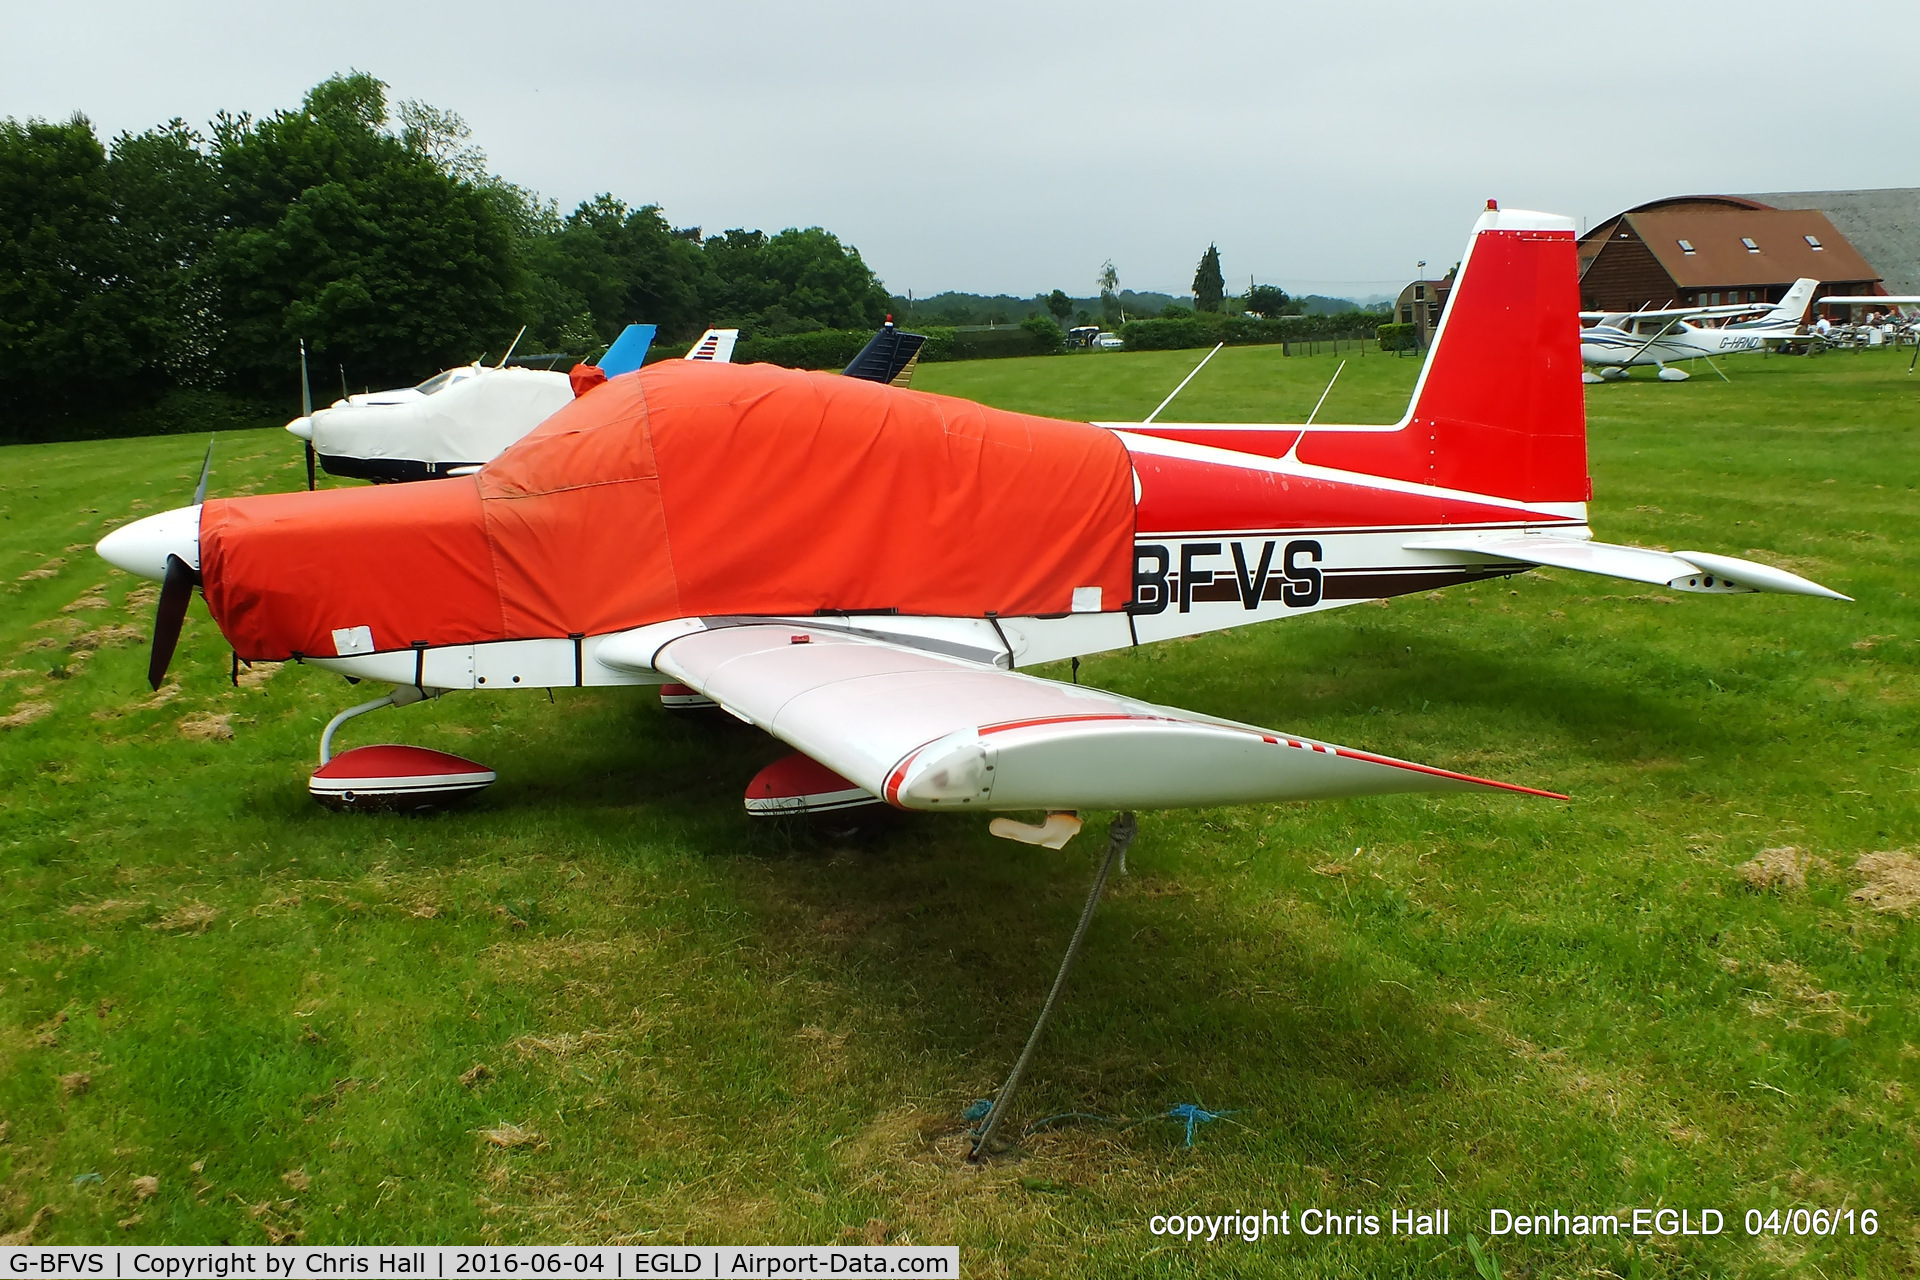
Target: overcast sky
<point>1014,147</point>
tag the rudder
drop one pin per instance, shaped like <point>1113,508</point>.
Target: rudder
<point>1499,408</point>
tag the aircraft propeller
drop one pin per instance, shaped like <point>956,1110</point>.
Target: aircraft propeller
<point>306,410</point>
<point>176,591</point>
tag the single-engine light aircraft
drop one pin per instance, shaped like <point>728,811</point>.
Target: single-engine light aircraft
<point>861,569</point>
<point>448,425</point>
<point>459,419</point>
<point>1614,342</point>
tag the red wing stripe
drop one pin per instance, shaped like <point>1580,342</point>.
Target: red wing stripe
<point>1039,720</point>
<point>1370,758</point>
<point>891,792</point>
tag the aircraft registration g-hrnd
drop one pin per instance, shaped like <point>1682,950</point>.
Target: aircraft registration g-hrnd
<point>861,569</point>
<point>1614,342</point>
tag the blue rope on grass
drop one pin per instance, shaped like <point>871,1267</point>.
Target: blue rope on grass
<point>1192,1114</point>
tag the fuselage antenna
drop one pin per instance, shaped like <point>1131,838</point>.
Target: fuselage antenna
<point>1183,384</point>
<point>1323,395</point>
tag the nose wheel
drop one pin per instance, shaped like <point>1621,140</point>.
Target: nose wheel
<point>391,776</point>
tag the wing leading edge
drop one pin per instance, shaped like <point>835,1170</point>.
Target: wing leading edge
<point>924,731</point>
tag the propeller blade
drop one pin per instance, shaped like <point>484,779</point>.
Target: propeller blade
<point>175,592</point>
<point>309,466</point>
<point>206,470</point>
<point>306,387</point>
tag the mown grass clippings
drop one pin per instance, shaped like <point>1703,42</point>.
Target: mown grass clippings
<point>1892,882</point>
<point>25,713</point>
<point>1782,869</point>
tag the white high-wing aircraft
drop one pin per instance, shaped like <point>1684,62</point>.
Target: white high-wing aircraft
<point>459,419</point>
<point>1616,341</point>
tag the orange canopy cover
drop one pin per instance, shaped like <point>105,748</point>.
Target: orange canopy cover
<point>690,489</point>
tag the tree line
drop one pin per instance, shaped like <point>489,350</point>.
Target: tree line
<point>180,260</point>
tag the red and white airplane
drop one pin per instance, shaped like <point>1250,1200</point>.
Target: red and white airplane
<point>861,570</point>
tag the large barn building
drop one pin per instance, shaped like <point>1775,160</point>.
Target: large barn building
<point>1884,225</point>
<point>1712,250</point>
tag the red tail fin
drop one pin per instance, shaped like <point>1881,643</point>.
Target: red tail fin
<point>1499,408</point>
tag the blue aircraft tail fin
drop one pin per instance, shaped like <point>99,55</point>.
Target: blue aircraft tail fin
<point>629,350</point>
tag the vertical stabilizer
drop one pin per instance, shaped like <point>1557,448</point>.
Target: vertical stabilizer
<point>629,350</point>
<point>889,356</point>
<point>1792,308</point>
<point>1499,408</point>
<point>715,346</point>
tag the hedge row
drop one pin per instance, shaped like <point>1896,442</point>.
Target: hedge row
<point>1398,337</point>
<point>836,348</point>
<point>1204,329</point>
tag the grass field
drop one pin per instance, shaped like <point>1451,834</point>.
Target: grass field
<point>600,1005</point>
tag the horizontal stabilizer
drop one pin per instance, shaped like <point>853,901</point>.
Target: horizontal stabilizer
<point>629,350</point>
<point>925,731</point>
<point>1694,571</point>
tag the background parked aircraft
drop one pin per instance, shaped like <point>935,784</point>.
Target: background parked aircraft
<point>452,422</point>
<point>1615,342</point>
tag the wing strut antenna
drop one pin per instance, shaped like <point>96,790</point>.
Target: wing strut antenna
<point>1119,835</point>
<point>1324,394</point>
<point>1183,384</point>
<point>511,346</point>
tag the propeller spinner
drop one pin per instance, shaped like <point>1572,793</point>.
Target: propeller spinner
<point>166,548</point>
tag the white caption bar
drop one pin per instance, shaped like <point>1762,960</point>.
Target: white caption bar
<point>568,1262</point>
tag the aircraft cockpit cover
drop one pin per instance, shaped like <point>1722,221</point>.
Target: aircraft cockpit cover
<point>689,489</point>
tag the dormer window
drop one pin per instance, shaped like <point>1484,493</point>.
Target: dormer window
<point>1751,246</point>
<point>1813,242</point>
<point>1686,246</point>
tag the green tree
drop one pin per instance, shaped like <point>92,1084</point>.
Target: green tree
<point>1109,292</point>
<point>1269,301</point>
<point>1209,286</point>
<point>793,282</point>
<point>339,232</point>
<point>69,330</point>
<point>165,191</point>
<point>1047,334</point>
<point>607,266</point>
<point>1060,305</point>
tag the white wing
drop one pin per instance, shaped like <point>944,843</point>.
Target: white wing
<point>925,731</point>
<point>1868,300</point>
<point>1622,318</point>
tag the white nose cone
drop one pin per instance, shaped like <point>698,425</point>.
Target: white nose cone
<point>143,546</point>
<point>302,427</point>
